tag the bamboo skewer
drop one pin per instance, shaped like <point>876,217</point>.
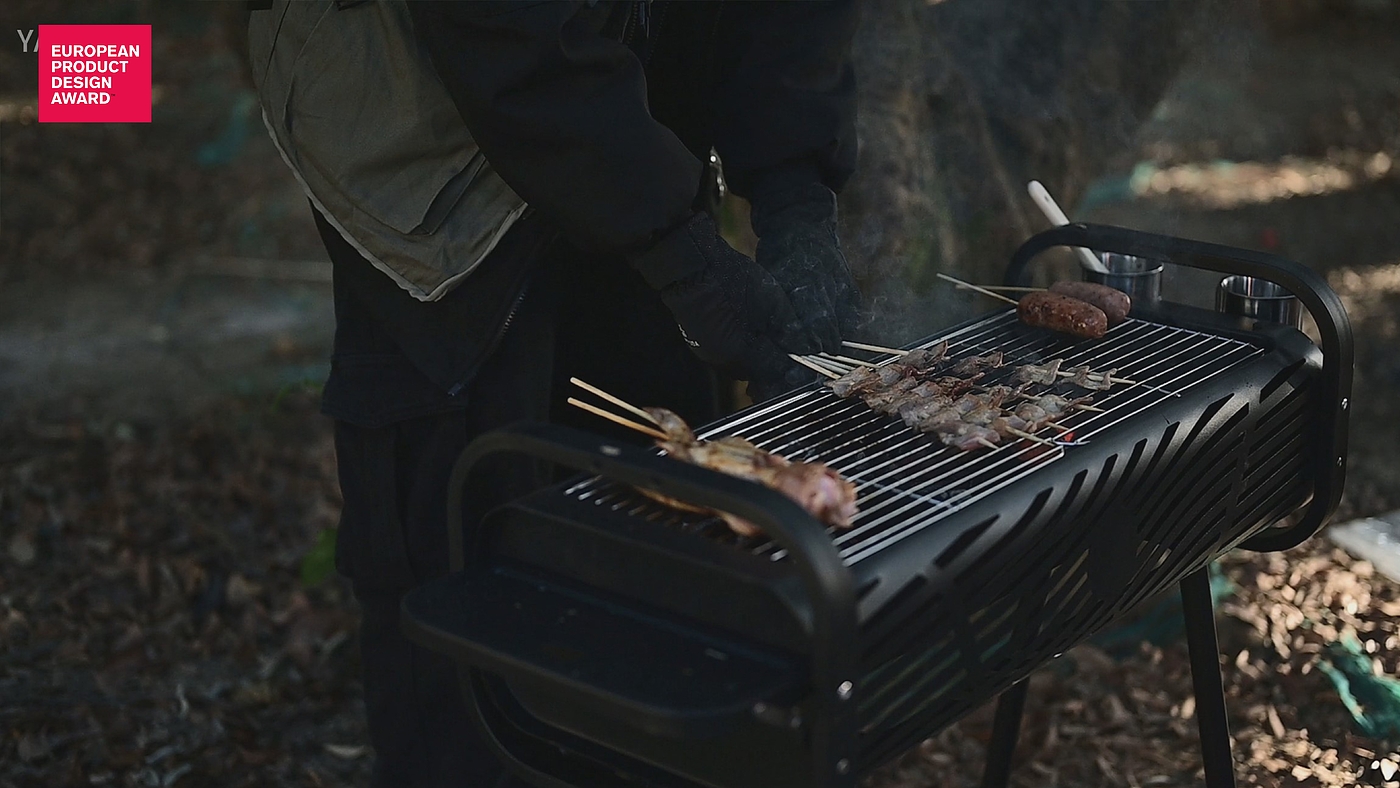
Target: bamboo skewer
<point>812,365</point>
<point>1101,376</point>
<point>970,286</point>
<point>613,417</point>
<point>849,360</point>
<point>831,364</point>
<point>874,348</point>
<point>614,400</point>
<point>987,443</point>
<point>1029,437</point>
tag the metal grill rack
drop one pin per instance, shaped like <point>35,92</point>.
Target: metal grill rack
<point>906,480</point>
<point>607,640</point>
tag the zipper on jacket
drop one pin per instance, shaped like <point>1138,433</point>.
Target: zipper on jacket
<point>496,340</point>
<point>639,17</point>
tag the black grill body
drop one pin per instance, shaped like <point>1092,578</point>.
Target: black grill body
<point>605,638</point>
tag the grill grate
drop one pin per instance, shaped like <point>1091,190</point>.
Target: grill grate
<point>906,480</point>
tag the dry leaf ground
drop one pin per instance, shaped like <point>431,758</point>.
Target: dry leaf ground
<point>152,629</point>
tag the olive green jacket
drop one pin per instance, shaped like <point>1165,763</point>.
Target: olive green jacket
<point>357,111</point>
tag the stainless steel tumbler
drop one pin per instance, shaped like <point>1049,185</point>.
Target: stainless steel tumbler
<point>1259,299</point>
<point>1139,277</point>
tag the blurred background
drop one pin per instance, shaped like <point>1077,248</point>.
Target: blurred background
<point>167,488</point>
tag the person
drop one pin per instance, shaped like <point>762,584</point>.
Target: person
<point>515,193</point>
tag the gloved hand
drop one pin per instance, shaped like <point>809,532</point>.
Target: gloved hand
<point>796,227</point>
<point>731,312</point>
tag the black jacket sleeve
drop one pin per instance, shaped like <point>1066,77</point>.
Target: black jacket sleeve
<point>560,111</point>
<point>787,108</point>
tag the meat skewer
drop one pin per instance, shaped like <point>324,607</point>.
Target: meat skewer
<point>814,486</point>
<point>914,362</point>
<point>1082,377</point>
<point>975,364</point>
<point>627,406</point>
<point>1047,374</point>
<point>964,436</point>
<point>1062,314</point>
<point>616,419</point>
<point>943,405</point>
<point>1115,304</point>
<point>1053,311</point>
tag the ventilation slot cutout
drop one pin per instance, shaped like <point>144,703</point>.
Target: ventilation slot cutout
<point>964,541</point>
<point>1280,379</point>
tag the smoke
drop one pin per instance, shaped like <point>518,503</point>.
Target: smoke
<point>962,103</point>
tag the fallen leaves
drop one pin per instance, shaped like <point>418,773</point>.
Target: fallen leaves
<point>158,635</point>
<point>1105,723</point>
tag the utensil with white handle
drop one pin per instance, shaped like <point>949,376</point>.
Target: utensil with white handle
<point>1057,217</point>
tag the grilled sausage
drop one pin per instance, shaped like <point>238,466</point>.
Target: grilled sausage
<point>1062,313</point>
<point>1114,303</point>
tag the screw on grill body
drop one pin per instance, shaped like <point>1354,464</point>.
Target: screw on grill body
<point>1339,462</point>
<point>611,451</point>
<point>844,690</point>
<point>1345,403</point>
<point>843,766</point>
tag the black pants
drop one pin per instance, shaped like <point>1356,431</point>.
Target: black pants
<point>585,316</point>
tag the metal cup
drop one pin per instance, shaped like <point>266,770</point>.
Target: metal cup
<point>1139,277</point>
<point>1259,299</point>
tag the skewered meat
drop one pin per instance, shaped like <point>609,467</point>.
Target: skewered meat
<point>1115,304</point>
<point>1031,412</point>
<point>854,382</point>
<point>966,436</point>
<point>1086,378</point>
<point>818,489</point>
<point>914,413</point>
<point>926,391</point>
<point>928,419</point>
<point>976,364</point>
<point>945,406</point>
<point>1063,314</point>
<point>1054,404</point>
<point>882,400</point>
<point>923,358</point>
<point>1046,374</point>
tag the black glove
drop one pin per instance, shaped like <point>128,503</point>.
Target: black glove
<point>796,227</point>
<point>731,312</point>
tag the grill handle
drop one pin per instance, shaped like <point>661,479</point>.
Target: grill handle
<point>1311,288</point>
<point>826,579</point>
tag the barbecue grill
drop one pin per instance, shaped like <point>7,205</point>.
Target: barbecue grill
<point>606,639</point>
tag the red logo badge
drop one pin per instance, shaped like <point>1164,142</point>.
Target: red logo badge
<point>94,73</point>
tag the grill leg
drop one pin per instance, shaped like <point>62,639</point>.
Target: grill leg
<point>1006,728</point>
<point>1199,612</point>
